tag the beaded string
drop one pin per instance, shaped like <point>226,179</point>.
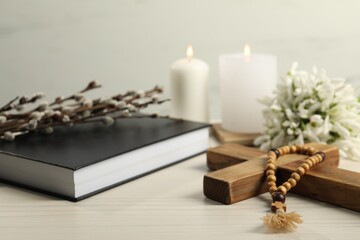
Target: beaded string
<point>282,220</point>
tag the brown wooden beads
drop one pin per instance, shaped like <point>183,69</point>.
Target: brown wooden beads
<point>278,192</point>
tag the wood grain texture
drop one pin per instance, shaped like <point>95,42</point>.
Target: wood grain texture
<point>168,204</point>
<point>225,136</point>
<point>327,184</point>
<point>230,154</point>
<point>324,182</point>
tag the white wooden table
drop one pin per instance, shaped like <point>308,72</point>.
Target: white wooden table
<point>168,204</point>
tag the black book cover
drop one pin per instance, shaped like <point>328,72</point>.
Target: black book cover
<point>82,145</point>
<point>86,144</point>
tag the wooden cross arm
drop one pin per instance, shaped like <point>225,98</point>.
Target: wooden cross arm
<point>247,179</point>
<point>231,153</point>
<point>327,184</point>
<point>324,182</point>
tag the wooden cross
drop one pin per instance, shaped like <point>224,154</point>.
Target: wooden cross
<point>242,176</point>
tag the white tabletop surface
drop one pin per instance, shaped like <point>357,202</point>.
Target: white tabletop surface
<point>168,204</point>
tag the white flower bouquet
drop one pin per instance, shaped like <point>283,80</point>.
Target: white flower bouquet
<point>312,107</point>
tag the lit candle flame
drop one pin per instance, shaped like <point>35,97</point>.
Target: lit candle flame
<point>189,53</point>
<point>247,52</point>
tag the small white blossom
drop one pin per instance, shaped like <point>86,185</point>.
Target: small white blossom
<point>112,103</point>
<point>86,114</point>
<point>67,108</point>
<point>316,119</point>
<point>128,98</point>
<point>286,123</point>
<point>126,113</point>
<point>2,119</point>
<point>48,130</point>
<point>43,106</point>
<point>107,120</point>
<point>289,131</point>
<point>312,107</point>
<point>131,108</point>
<point>65,119</point>
<point>141,93</point>
<point>87,103</point>
<point>9,136</point>
<point>297,92</point>
<point>104,100</point>
<point>49,112</point>
<point>36,115</point>
<point>57,112</point>
<point>32,124</point>
<point>121,104</point>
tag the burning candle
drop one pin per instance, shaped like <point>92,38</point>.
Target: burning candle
<point>244,78</point>
<point>189,88</point>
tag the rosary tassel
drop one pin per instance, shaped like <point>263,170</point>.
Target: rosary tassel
<point>282,221</point>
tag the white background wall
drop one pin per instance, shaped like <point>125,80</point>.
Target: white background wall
<point>58,46</point>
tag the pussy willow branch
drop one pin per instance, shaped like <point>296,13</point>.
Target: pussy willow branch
<point>73,109</point>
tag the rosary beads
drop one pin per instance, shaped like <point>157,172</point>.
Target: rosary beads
<point>282,220</point>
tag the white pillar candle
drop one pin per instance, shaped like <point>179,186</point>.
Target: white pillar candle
<point>244,78</point>
<point>189,88</point>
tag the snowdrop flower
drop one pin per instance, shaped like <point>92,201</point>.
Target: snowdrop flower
<point>316,120</point>
<point>312,107</point>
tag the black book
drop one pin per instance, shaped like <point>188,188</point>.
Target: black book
<point>78,162</point>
